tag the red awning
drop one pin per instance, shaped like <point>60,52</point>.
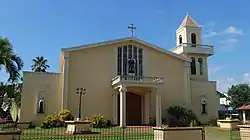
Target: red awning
<point>244,107</point>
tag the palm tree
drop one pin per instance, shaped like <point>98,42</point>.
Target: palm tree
<point>12,63</point>
<point>40,64</point>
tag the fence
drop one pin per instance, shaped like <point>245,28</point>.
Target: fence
<point>111,133</point>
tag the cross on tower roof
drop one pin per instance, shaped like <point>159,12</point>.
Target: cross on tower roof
<point>132,28</point>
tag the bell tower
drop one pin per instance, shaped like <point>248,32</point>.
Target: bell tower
<point>189,44</point>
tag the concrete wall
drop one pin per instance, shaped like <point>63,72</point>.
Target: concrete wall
<point>39,85</point>
<point>205,90</point>
<point>94,68</point>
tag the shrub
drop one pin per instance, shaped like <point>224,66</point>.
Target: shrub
<point>98,121</point>
<point>65,115</point>
<point>56,120</point>
<point>179,116</point>
<point>212,122</point>
<point>31,125</point>
<point>51,121</point>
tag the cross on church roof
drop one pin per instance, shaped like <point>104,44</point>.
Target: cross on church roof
<point>132,28</point>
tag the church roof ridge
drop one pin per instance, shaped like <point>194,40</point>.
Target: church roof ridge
<point>132,38</point>
<point>188,21</point>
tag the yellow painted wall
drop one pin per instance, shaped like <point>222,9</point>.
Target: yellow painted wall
<point>94,68</point>
<point>208,89</point>
<point>34,84</point>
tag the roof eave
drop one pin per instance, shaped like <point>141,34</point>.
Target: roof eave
<point>125,39</point>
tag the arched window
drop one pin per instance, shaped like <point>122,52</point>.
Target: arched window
<point>203,107</point>
<point>180,39</point>
<point>193,67</point>
<point>200,65</point>
<point>41,106</point>
<point>193,39</point>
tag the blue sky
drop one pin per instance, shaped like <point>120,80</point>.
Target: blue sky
<point>43,27</point>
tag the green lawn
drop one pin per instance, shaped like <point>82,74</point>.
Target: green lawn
<point>117,133</point>
<point>222,134</point>
<point>113,133</point>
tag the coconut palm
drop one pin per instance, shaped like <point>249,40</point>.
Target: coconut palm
<point>40,64</point>
<point>12,63</point>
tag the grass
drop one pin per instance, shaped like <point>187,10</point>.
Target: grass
<point>113,133</point>
<point>222,134</point>
<point>116,133</point>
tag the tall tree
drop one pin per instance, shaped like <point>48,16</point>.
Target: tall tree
<point>40,64</point>
<point>8,93</point>
<point>12,63</point>
<point>239,95</point>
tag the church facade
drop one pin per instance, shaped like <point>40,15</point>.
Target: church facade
<point>128,80</point>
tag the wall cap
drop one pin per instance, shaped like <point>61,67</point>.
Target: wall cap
<point>228,121</point>
<point>77,122</point>
<point>177,128</point>
<point>244,126</point>
<point>13,132</point>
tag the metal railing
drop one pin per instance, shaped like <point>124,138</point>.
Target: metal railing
<point>130,78</point>
<point>195,45</point>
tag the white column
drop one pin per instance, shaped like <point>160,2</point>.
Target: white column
<point>158,109</point>
<point>114,105</point>
<point>146,106</point>
<point>244,116</point>
<point>123,91</point>
<point>65,80</point>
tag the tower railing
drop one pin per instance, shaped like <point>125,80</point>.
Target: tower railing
<point>195,45</point>
<point>194,48</point>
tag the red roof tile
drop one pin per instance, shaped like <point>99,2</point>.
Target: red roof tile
<point>244,107</point>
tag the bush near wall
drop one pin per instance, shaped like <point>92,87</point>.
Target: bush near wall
<point>56,120</point>
<point>179,116</point>
<point>98,121</point>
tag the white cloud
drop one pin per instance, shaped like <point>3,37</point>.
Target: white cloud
<point>229,30</point>
<point>212,70</point>
<point>229,41</point>
<point>224,84</point>
<point>210,34</point>
<point>233,30</point>
<point>246,78</point>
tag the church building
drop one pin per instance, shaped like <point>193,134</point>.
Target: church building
<point>128,80</point>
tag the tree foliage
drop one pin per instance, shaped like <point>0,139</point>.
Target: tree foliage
<point>12,63</point>
<point>40,64</point>
<point>239,95</point>
<point>8,94</point>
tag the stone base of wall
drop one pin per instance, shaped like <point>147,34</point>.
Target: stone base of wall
<point>178,133</point>
<point>244,132</point>
<point>10,135</point>
<point>228,124</point>
<point>77,126</point>
<point>23,125</point>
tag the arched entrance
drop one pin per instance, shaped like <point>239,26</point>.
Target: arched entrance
<point>133,109</point>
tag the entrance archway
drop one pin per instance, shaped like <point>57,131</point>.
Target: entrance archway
<point>133,109</point>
